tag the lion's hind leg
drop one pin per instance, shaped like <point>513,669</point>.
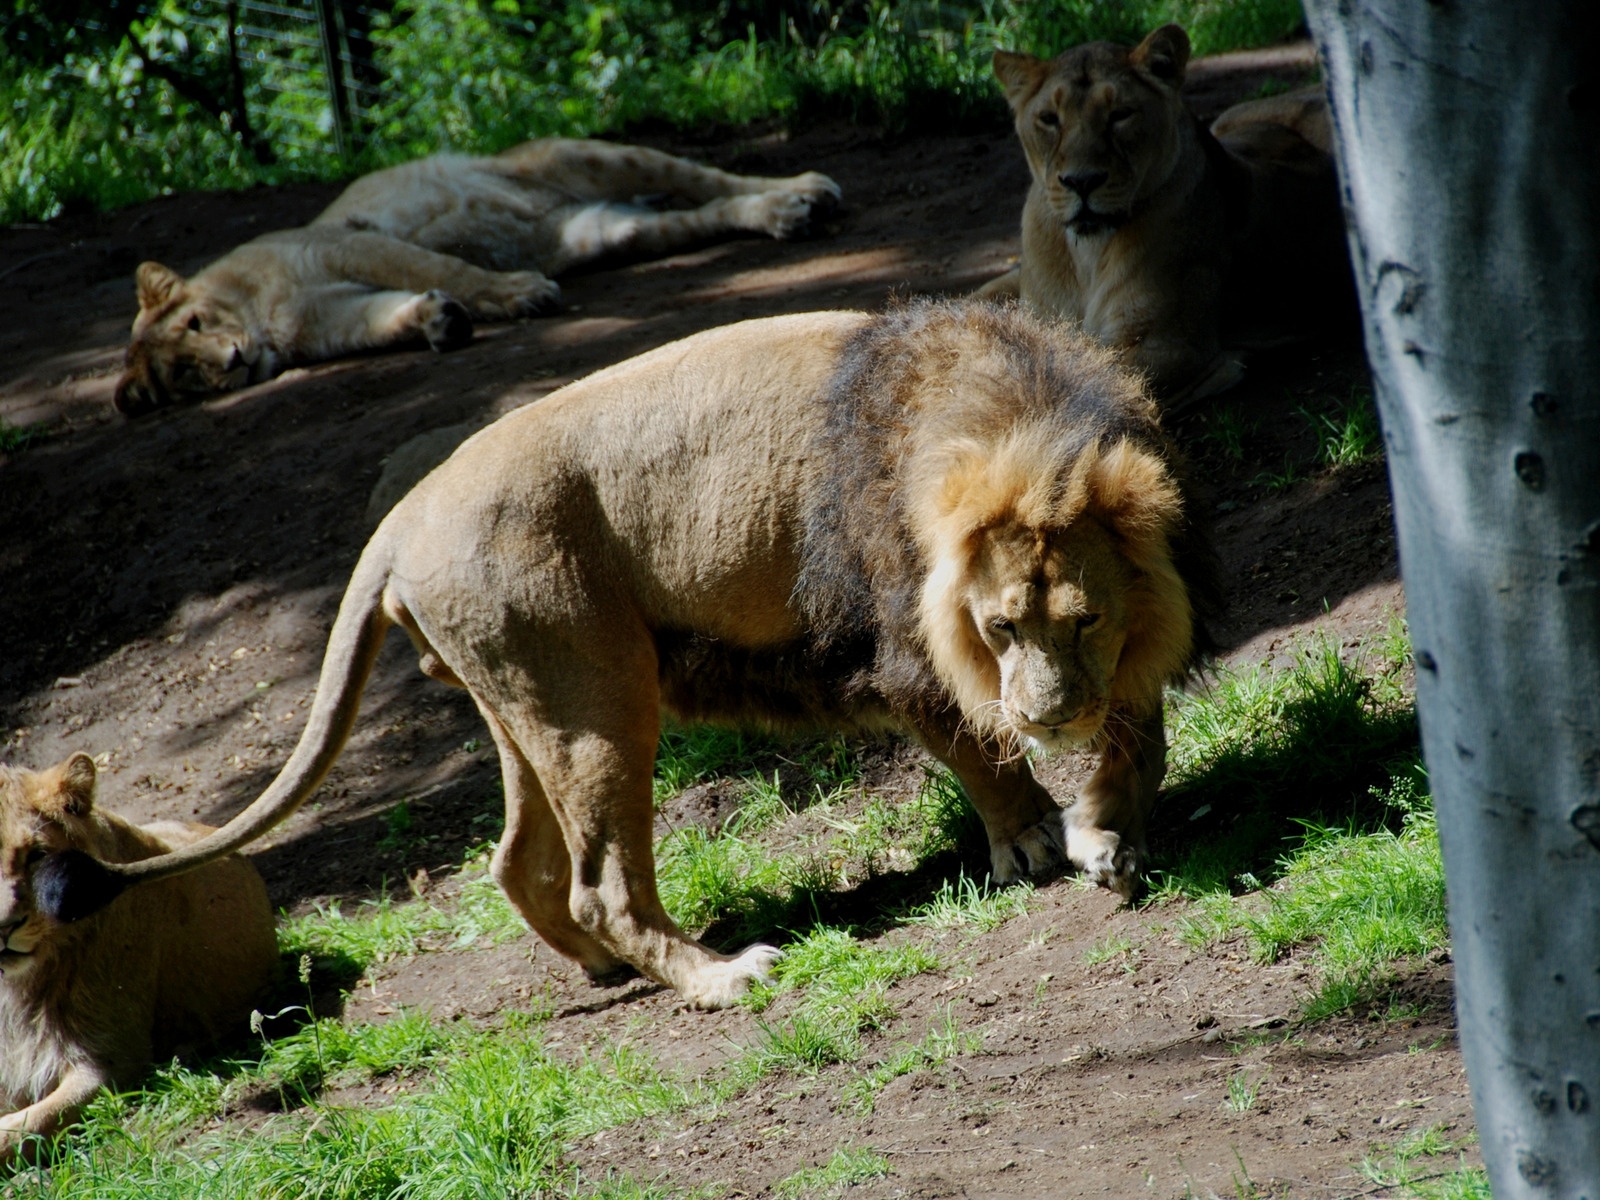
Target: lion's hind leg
<point>532,865</point>
<point>593,753</point>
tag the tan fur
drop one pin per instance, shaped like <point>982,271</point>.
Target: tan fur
<point>161,970</point>
<point>1175,245</point>
<point>414,253</point>
<point>712,528</point>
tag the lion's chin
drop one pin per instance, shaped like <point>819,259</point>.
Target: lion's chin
<point>1045,742</point>
<point>1087,223</point>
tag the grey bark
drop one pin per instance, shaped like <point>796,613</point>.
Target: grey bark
<point>1467,139</point>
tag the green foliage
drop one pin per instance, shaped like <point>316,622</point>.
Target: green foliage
<point>848,1167</point>
<point>944,1040</point>
<point>148,105</point>
<point>1259,749</point>
<point>963,903</point>
<point>1349,435</point>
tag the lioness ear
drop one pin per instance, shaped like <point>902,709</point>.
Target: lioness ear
<point>1165,54</point>
<point>1020,75</point>
<point>68,788</point>
<point>157,284</point>
<point>1133,491</point>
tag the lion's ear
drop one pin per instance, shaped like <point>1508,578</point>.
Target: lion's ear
<point>157,284</point>
<point>1165,54</point>
<point>1133,491</point>
<point>1020,75</point>
<point>67,789</point>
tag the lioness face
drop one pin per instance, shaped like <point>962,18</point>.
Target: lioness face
<point>1052,609</point>
<point>1099,124</point>
<point>36,813</point>
<point>184,346</point>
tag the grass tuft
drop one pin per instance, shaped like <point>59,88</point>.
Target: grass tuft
<point>847,1167</point>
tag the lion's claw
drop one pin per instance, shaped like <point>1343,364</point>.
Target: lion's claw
<point>1103,857</point>
<point>1034,851</point>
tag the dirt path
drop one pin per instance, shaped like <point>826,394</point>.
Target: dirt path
<point>169,584</point>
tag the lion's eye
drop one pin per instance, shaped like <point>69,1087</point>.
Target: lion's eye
<point>1119,115</point>
<point>1087,621</point>
<point>194,323</point>
<point>34,857</point>
<point>1003,627</point>
<point>1049,119</point>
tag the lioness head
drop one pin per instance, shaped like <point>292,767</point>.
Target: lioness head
<point>1053,595</point>
<point>41,813</point>
<point>185,345</point>
<point>1100,124</point>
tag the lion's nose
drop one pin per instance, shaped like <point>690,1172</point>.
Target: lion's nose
<point>1084,182</point>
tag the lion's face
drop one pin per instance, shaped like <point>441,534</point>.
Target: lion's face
<point>1052,611</point>
<point>185,345</point>
<point>1053,597</point>
<point>40,813</point>
<point>1099,124</point>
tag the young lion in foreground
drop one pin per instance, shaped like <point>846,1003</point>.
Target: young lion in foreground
<point>959,521</point>
<point>1175,245</point>
<point>416,252</point>
<point>163,969</point>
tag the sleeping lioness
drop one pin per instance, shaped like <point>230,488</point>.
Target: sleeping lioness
<point>1176,245</point>
<point>956,520</point>
<point>415,252</point>
<point>164,969</point>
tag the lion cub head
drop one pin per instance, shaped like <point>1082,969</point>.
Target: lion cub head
<point>186,344</point>
<point>41,812</point>
<point>1054,596</point>
<point>1100,124</point>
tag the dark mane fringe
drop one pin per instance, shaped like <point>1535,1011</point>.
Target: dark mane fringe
<point>861,571</point>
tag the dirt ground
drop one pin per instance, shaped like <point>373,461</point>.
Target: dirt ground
<point>169,584</point>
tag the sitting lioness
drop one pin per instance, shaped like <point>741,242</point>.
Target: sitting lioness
<point>1175,245</point>
<point>415,252</point>
<point>959,521</point>
<point>163,969</point>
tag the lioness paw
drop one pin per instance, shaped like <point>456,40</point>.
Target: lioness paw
<point>821,192</point>
<point>1104,858</point>
<point>1033,852</point>
<point>445,322</point>
<point>525,294</point>
<point>720,983</point>
<point>783,214</point>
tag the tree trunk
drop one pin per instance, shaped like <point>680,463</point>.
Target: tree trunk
<point>1470,161</point>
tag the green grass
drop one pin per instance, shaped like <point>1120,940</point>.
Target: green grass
<point>964,903</point>
<point>848,1167</point>
<point>14,438</point>
<point>1349,435</point>
<point>1315,805</point>
<point>1414,1169</point>
<point>1257,750</point>
<point>1242,1092</point>
<point>96,129</point>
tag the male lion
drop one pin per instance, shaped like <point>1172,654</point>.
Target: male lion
<point>1168,242</point>
<point>960,521</point>
<point>415,252</point>
<point>162,969</point>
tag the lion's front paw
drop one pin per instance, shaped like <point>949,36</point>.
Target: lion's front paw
<point>718,984</point>
<point>818,190</point>
<point>445,322</point>
<point>788,212</point>
<point>1104,857</point>
<point>1034,851</point>
<point>523,294</point>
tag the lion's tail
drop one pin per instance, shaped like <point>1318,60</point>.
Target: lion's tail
<point>70,885</point>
